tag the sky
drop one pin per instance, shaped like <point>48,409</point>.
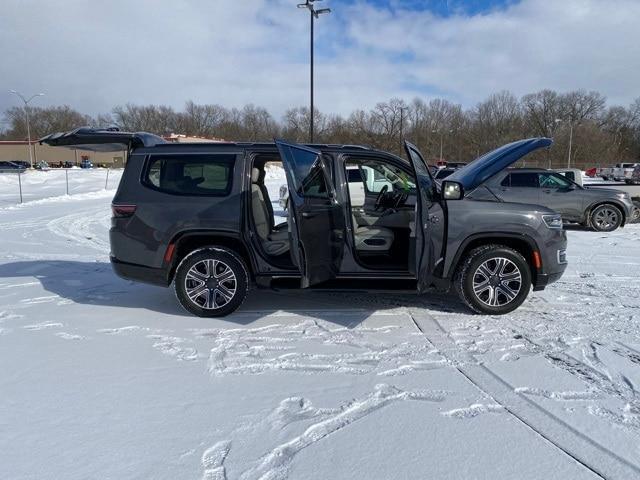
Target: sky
<point>94,55</point>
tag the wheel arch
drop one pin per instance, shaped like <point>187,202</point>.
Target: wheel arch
<point>186,242</point>
<point>522,243</point>
<point>598,203</point>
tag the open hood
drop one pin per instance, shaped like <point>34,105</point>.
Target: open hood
<point>101,140</point>
<point>486,166</point>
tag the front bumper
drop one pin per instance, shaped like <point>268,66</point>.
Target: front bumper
<point>544,279</point>
<point>554,260</point>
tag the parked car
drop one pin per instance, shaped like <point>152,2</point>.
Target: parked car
<point>621,170</point>
<point>617,172</point>
<point>360,178</point>
<point>603,209</point>
<point>8,166</point>
<point>41,165</point>
<point>635,175</point>
<point>443,173</point>
<point>573,174</point>
<point>86,164</point>
<point>631,175</point>
<point>591,172</point>
<point>198,216</point>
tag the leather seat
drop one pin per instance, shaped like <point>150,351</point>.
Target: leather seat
<point>372,239</point>
<point>274,242</point>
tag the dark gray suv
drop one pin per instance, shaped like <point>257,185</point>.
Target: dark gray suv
<point>603,209</point>
<point>199,216</point>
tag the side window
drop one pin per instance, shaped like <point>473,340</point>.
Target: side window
<point>308,175</point>
<point>190,174</point>
<point>524,179</point>
<point>550,180</point>
<point>314,184</point>
<point>385,174</point>
<point>356,175</point>
<point>506,182</point>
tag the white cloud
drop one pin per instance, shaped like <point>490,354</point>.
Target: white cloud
<point>93,55</point>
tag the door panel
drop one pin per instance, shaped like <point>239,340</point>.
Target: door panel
<point>560,195</point>
<point>430,222</point>
<point>316,218</point>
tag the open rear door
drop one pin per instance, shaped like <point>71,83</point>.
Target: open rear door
<point>101,140</point>
<point>425,250</point>
<point>317,223</point>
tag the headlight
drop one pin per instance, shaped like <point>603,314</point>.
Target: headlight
<point>553,221</point>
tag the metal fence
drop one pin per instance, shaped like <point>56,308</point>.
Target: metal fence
<point>19,187</point>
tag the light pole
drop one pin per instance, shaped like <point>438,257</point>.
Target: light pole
<point>402,109</point>
<point>570,139</point>
<point>26,111</point>
<point>570,144</point>
<point>441,132</point>
<point>313,13</point>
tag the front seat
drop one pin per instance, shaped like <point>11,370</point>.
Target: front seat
<point>372,239</point>
<point>274,242</point>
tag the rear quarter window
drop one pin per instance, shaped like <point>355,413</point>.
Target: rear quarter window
<point>206,175</point>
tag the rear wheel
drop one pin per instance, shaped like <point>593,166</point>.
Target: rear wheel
<point>606,218</point>
<point>211,282</point>
<point>493,279</point>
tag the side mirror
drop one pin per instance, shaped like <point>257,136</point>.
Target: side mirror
<point>452,190</point>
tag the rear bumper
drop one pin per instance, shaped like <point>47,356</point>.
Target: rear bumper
<point>140,273</point>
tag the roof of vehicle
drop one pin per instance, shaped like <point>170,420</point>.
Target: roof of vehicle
<point>112,139</point>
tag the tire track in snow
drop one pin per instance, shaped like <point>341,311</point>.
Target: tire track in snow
<point>579,447</point>
<point>83,228</point>
<point>277,348</point>
<point>275,464</point>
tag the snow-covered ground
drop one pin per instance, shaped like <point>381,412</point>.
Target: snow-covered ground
<point>105,378</point>
<point>37,184</point>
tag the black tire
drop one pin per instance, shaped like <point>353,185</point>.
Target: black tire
<point>479,300</point>
<point>199,274</point>
<point>605,218</point>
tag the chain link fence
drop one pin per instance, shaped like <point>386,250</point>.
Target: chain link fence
<point>19,187</point>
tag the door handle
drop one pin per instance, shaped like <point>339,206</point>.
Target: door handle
<point>308,215</point>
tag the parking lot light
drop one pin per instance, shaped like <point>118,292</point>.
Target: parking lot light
<point>313,13</point>
<point>26,111</point>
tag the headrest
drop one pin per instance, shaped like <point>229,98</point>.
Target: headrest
<point>255,175</point>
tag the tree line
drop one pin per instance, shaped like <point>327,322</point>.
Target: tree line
<point>599,134</point>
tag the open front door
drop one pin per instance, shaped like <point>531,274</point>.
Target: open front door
<point>429,217</point>
<point>316,219</point>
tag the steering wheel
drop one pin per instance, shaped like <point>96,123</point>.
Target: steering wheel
<point>401,198</point>
<point>383,190</point>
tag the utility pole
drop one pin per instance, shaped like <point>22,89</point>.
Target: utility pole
<point>570,144</point>
<point>402,109</point>
<point>26,111</point>
<point>313,14</point>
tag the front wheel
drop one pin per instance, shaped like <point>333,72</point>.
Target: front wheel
<point>211,282</point>
<point>606,218</point>
<point>493,279</point>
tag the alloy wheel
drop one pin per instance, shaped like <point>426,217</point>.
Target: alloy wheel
<point>497,282</point>
<point>605,218</point>
<point>210,284</point>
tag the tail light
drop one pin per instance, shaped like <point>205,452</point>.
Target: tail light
<point>122,211</point>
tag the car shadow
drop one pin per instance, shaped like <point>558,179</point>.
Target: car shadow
<point>95,283</point>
